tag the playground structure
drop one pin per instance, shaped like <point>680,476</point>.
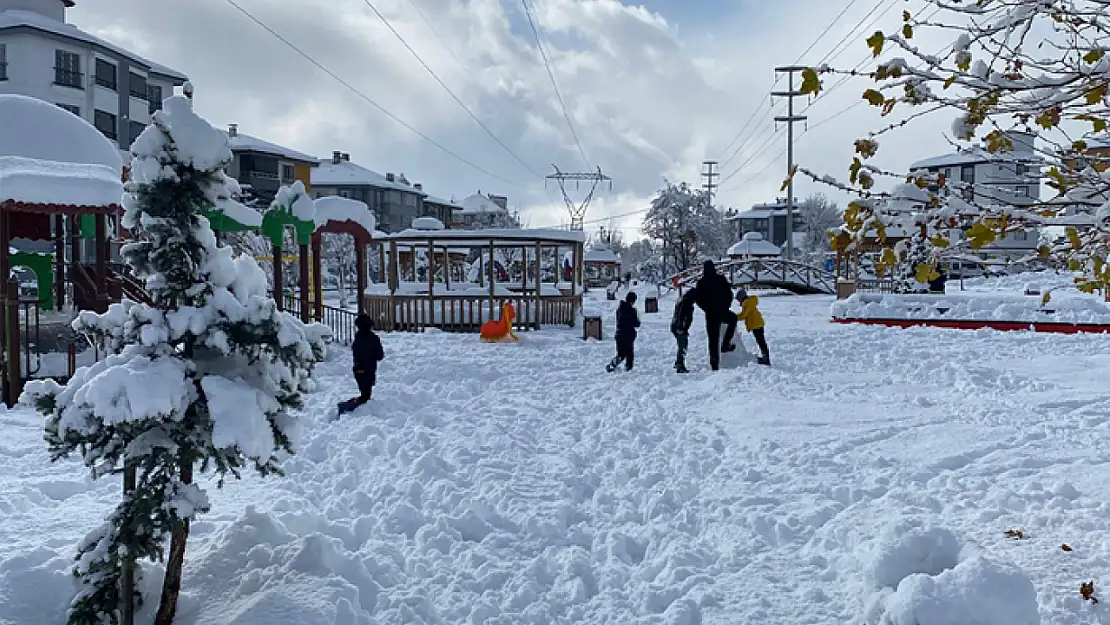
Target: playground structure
<point>440,302</point>
<point>500,330</point>
<point>602,266</point>
<point>776,273</point>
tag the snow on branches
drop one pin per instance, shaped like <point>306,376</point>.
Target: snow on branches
<point>1038,67</point>
<point>687,225</point>
<point>208,374</point>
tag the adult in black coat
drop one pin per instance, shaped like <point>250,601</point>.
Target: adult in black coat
<point>366,353</point>
<point>715,300</point>
<point>627,322</point>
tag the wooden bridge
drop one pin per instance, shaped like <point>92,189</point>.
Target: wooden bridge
<point>776,273</point>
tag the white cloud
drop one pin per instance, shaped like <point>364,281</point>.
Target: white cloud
<point>650,98</point>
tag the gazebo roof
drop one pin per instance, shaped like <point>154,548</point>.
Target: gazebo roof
<point>601,255</point>
<point>753,244</point>
<point>52,159</point>
<point>504,237</point>
<point>333,208</point>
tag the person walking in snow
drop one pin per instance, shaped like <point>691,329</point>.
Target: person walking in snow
<point>753,322</point>
<point>366,353</point>
<point>680,327</point>
<point>627,322</point>
<point>715,300</point>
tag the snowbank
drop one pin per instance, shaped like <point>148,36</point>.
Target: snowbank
<point>972,307</point>
<point>36,181</point>
<point>296,200</point>
<point>340,209</point>
<point>427,223</point>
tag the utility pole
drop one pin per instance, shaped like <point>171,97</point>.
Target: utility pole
<point>790,120</point>
<point>707,172</point>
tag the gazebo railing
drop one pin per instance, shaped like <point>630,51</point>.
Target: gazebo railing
<point>467,313</point>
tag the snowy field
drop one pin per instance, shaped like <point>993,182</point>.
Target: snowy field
<point>870,474</point>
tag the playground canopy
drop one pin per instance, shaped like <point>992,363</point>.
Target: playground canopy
<point>419,292</point>
<point>753,245</point>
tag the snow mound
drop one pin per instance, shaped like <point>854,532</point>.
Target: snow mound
<point>427,223</point>
<point>39,130</point>
<point>923,576</point>
<point>36,181</point>
<point>295,197</point>
<point>994,306</point>
<point>340,209</point>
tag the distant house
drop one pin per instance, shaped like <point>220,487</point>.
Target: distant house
<point>447,211</point>
<point>993,180</point>
<point>602,266</point>
<point>753,246</point>
<point>395,201</point>
<point>483,211</point>
<point>262,167</point>
<point>769,220</point>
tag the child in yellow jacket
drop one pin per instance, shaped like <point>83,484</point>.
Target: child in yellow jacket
<point>753,322</point>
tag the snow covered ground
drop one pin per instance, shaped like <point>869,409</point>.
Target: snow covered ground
<point>518,483</point>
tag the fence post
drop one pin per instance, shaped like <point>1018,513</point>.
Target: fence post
<point>11,328</point>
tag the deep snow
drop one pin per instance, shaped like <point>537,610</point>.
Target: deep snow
<point>871,472</point>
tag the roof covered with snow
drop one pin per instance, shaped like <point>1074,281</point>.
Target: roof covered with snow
<point>37,129</point>
<point>51,156</point>
<point>753,244</point>
<point>246,143</point>
<point>12,19</point>
<point>348,174</point>
<point>974,156</point>
<point>479,204</point>
<point>431,199</point>
<point>601,255</point>
<point>340,209</point>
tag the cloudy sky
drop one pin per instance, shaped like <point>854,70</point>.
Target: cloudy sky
<point>652,88</point>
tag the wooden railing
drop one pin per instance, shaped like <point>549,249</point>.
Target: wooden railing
<point>467,313</point>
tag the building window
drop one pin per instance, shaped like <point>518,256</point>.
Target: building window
<point>137,86</point>
<point>1021,169</point>
<point>3,61</point>
<point>105,123</point>
<point>967,173</point>
<point>105,74</point>
<point>76,110</point>
<point>288,172</point>
<point>154,96</point>
<point>1021,191</point>
<point>67,69</point>
<point>135,129</point>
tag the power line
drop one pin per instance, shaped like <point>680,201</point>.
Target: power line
<point>826,31</point>
<point>367,98</point>
<point>442,41</point>
<point>448,89</point>
<point>554,83</point>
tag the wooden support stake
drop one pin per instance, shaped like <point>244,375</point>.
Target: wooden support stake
<point>302,258</point>
<point>360,279</point>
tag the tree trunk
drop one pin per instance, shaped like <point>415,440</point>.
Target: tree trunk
<point>171,585</point>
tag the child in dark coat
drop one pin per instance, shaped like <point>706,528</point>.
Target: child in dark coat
<point>366,353</point>
<point>680,327</point>
<point>627,322</point>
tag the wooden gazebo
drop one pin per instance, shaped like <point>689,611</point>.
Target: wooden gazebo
<point>463,306</point>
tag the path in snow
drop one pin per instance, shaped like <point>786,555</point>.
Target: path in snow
<point>521,484</point>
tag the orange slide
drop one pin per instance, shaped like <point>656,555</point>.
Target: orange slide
<point>500,331</point>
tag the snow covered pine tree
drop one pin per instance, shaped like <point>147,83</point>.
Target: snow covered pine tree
<point>207,375</point>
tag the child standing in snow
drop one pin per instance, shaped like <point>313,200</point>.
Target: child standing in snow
<point>753,322</point>
<point>680,327</point>
<point>366,353</point>
<point>627,322</point>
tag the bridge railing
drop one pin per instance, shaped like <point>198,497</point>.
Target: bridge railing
<point>769,270</point>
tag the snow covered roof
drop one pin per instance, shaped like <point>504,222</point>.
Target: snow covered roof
<point>499,236</point>
<point>51,156</point>
<point>427,223</point>
<point>37,129</point>
<point>479,204</point>
<point>758,213</point>
<point>974,156</point>
<point>14,18</point>
<point>753,244</point>
<point>246,143</point>
<point>340,209</point>
<point>431,199</point>
<point>348,174</point>
<point>601,255</point>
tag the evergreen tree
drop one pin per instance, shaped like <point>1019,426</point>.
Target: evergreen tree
<point>206,376</point>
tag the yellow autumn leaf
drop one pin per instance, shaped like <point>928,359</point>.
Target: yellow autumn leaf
<point>939,240</point>
<point>811,84</point>
<point>980,235</point>
<point>949,81</point>
<point>925,273</point>
<point>1073,237</point>
<point>1095,95</point>
<point>1047,297</point>
<point>875,42</point>
<point>1093,56</point>
<point>873,97</point>
<point>907,31</point>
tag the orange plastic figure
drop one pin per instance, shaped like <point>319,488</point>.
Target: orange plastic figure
<point>502,329</point>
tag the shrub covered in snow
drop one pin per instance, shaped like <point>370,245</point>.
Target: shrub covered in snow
<point>207,375</point>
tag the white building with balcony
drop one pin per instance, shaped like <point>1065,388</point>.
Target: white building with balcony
<point>44,57</point>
